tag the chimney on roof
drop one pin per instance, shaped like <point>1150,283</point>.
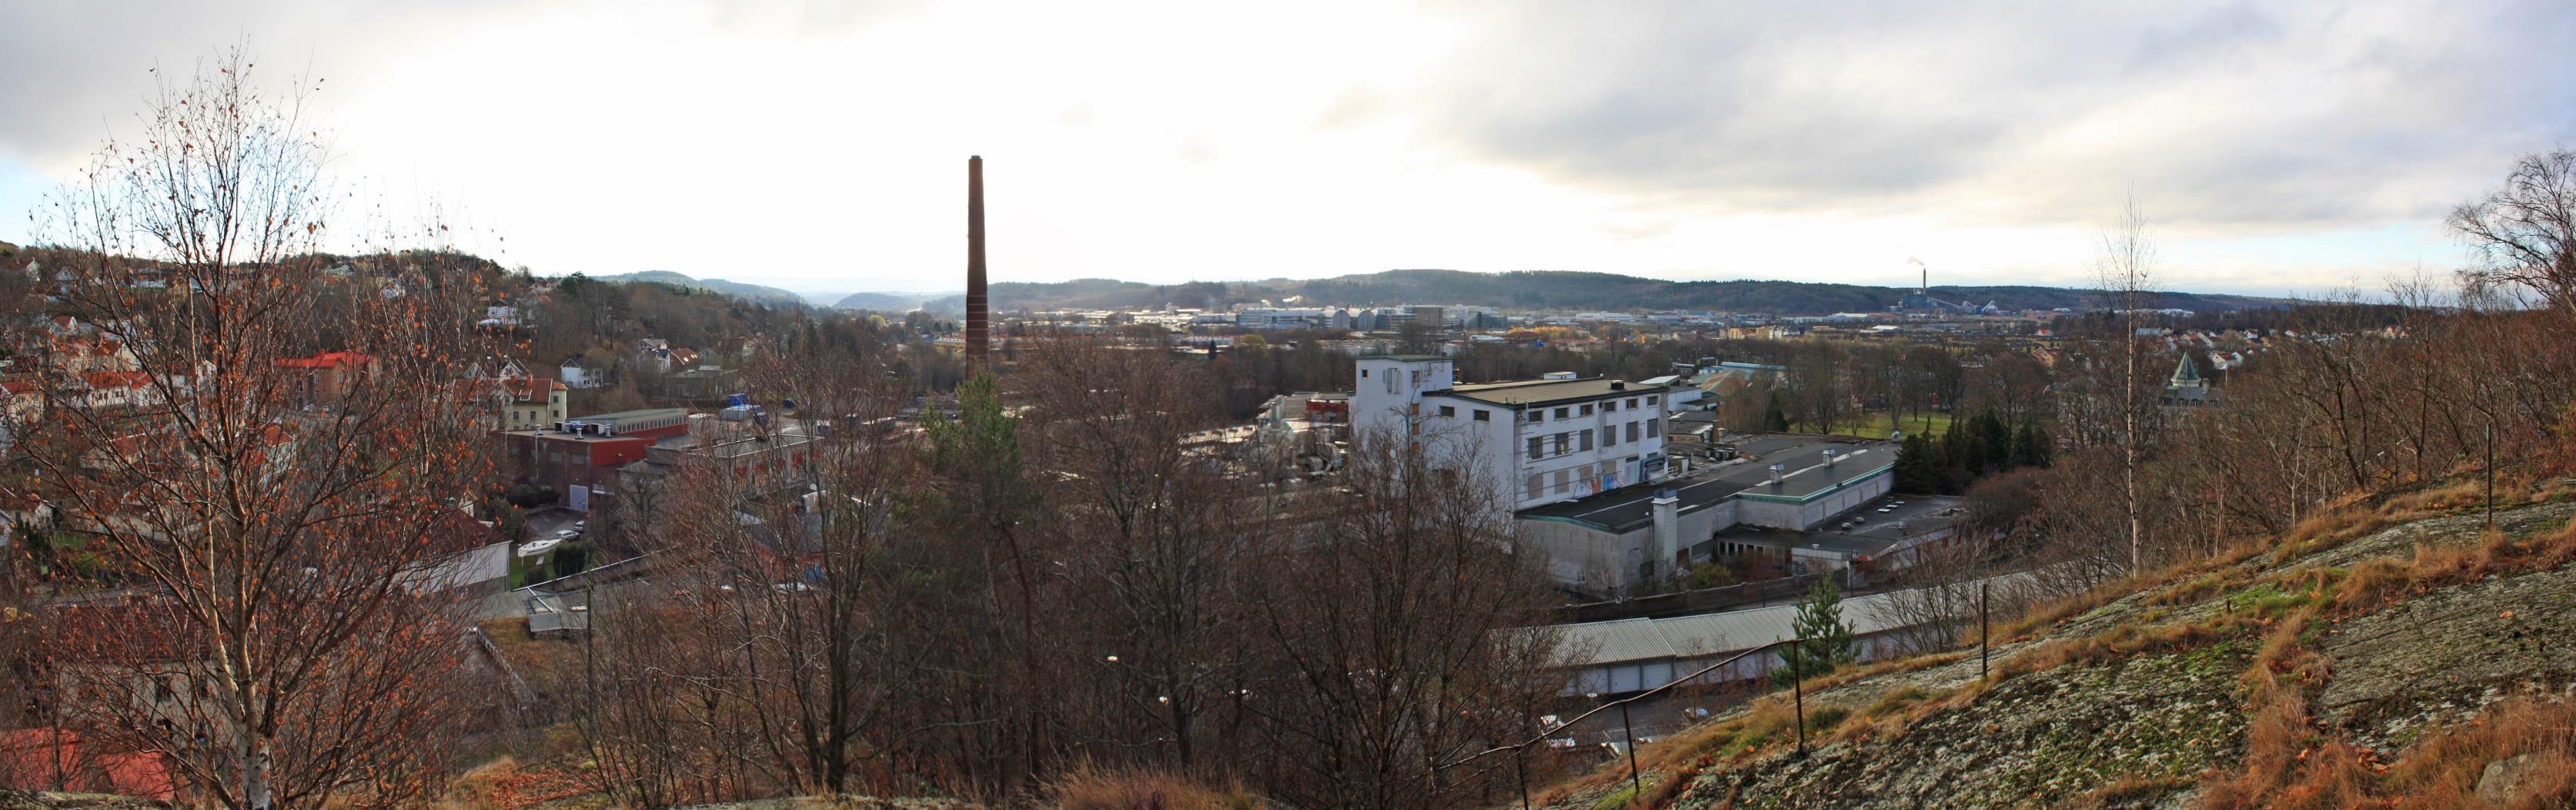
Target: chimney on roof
<point>1666,516</point>
<point>978,312</point>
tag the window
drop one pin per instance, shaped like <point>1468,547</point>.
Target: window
<point>1563,440</point>
<point>1609,406</point>
<point>1538,416</point>
<point>1561,413</point>
<point>1654,428</point>
<point>1610,435</point>
<point>1483,415</point>
<point>1564,481</point>
<point>1363,374</point>
<point>1586,433</point>
<point>1632,431</point>
<point>1587,410</point>
<point>1390,383</point>
<point>1448,412</point>
<point>1632,403</point>
<point>1537,485</point>
<point>1650,400</point>
<point>1534,444</point>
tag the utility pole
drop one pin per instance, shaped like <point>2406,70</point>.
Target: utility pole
<point>1635,785</point>
<point>1983,628</point>
<point>1798,691</point>
<point>2490,474</point>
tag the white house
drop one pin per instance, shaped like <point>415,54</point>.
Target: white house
<point>1535,442</point>
<point>575,375</point>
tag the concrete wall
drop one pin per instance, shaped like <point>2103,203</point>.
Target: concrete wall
<point>1589,560</point>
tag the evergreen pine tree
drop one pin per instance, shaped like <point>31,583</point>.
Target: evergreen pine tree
<point>1918,466</point>
<point>1994,442</point>
<point>2030,446</point>
<point>1829,643</point>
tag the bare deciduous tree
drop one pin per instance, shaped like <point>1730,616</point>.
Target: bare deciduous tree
<point>1384,615</point>
<point>2525,232</point>
<point>271,617</point>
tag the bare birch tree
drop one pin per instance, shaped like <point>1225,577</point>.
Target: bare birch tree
<point>2125,274</point>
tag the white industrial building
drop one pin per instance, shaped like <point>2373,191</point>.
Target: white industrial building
<point>1583,467</point>
<point>1535,442</point>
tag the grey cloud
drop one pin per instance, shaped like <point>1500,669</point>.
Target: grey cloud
<point>76,71</point>
<point>2280,113</point>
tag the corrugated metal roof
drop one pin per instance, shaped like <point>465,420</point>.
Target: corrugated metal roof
<point>1618,640</point>
<point>1712,634</point>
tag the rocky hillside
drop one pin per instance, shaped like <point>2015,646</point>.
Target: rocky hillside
<point>2380,658</point>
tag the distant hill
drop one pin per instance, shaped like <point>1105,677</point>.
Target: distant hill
<point>1553,289</point>
<point>748,292</point>
<point>898,301</point>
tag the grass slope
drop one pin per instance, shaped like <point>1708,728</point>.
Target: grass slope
<point>2387,654</point>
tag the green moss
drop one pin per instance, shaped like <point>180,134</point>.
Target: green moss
<point>1617,798</point>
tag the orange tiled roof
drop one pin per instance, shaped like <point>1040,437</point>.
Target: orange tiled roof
<point>326,360</point>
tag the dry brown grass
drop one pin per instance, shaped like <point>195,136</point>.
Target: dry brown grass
<point>1089,788</point>
<point>2377,583</point>
<point>2345,520</point>
<point>2288,763</point>
<point>2121,642</point>
<point>2443,771</point>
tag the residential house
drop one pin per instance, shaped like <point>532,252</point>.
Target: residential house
<point>521,403</point>
<point>577,374</point>
<point>496,368</point>
<point>325,379</point>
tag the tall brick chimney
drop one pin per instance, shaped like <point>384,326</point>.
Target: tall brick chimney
<point>978,314</point>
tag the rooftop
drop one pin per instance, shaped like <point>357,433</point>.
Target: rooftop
<point>1541,392</point>
<point>1869,530</point>
<point>1632,507</point>
<point>1712,634</point>
<point>627,416</point>
<point>1804,470</point>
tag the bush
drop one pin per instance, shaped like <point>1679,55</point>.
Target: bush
<point>1089,788</point>
<point>530,496</point>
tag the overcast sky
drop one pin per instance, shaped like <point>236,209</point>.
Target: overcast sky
<point>820,146</point>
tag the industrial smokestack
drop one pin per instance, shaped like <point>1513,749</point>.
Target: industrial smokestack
<point>978,314</point>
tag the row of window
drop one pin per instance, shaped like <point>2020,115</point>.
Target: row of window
<point>1577,441</point>
<point>1572,411</point>
<point>1565,478</point>
<point>1451,412</point>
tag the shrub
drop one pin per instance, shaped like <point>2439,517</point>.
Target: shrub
<point>1089,788</point>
